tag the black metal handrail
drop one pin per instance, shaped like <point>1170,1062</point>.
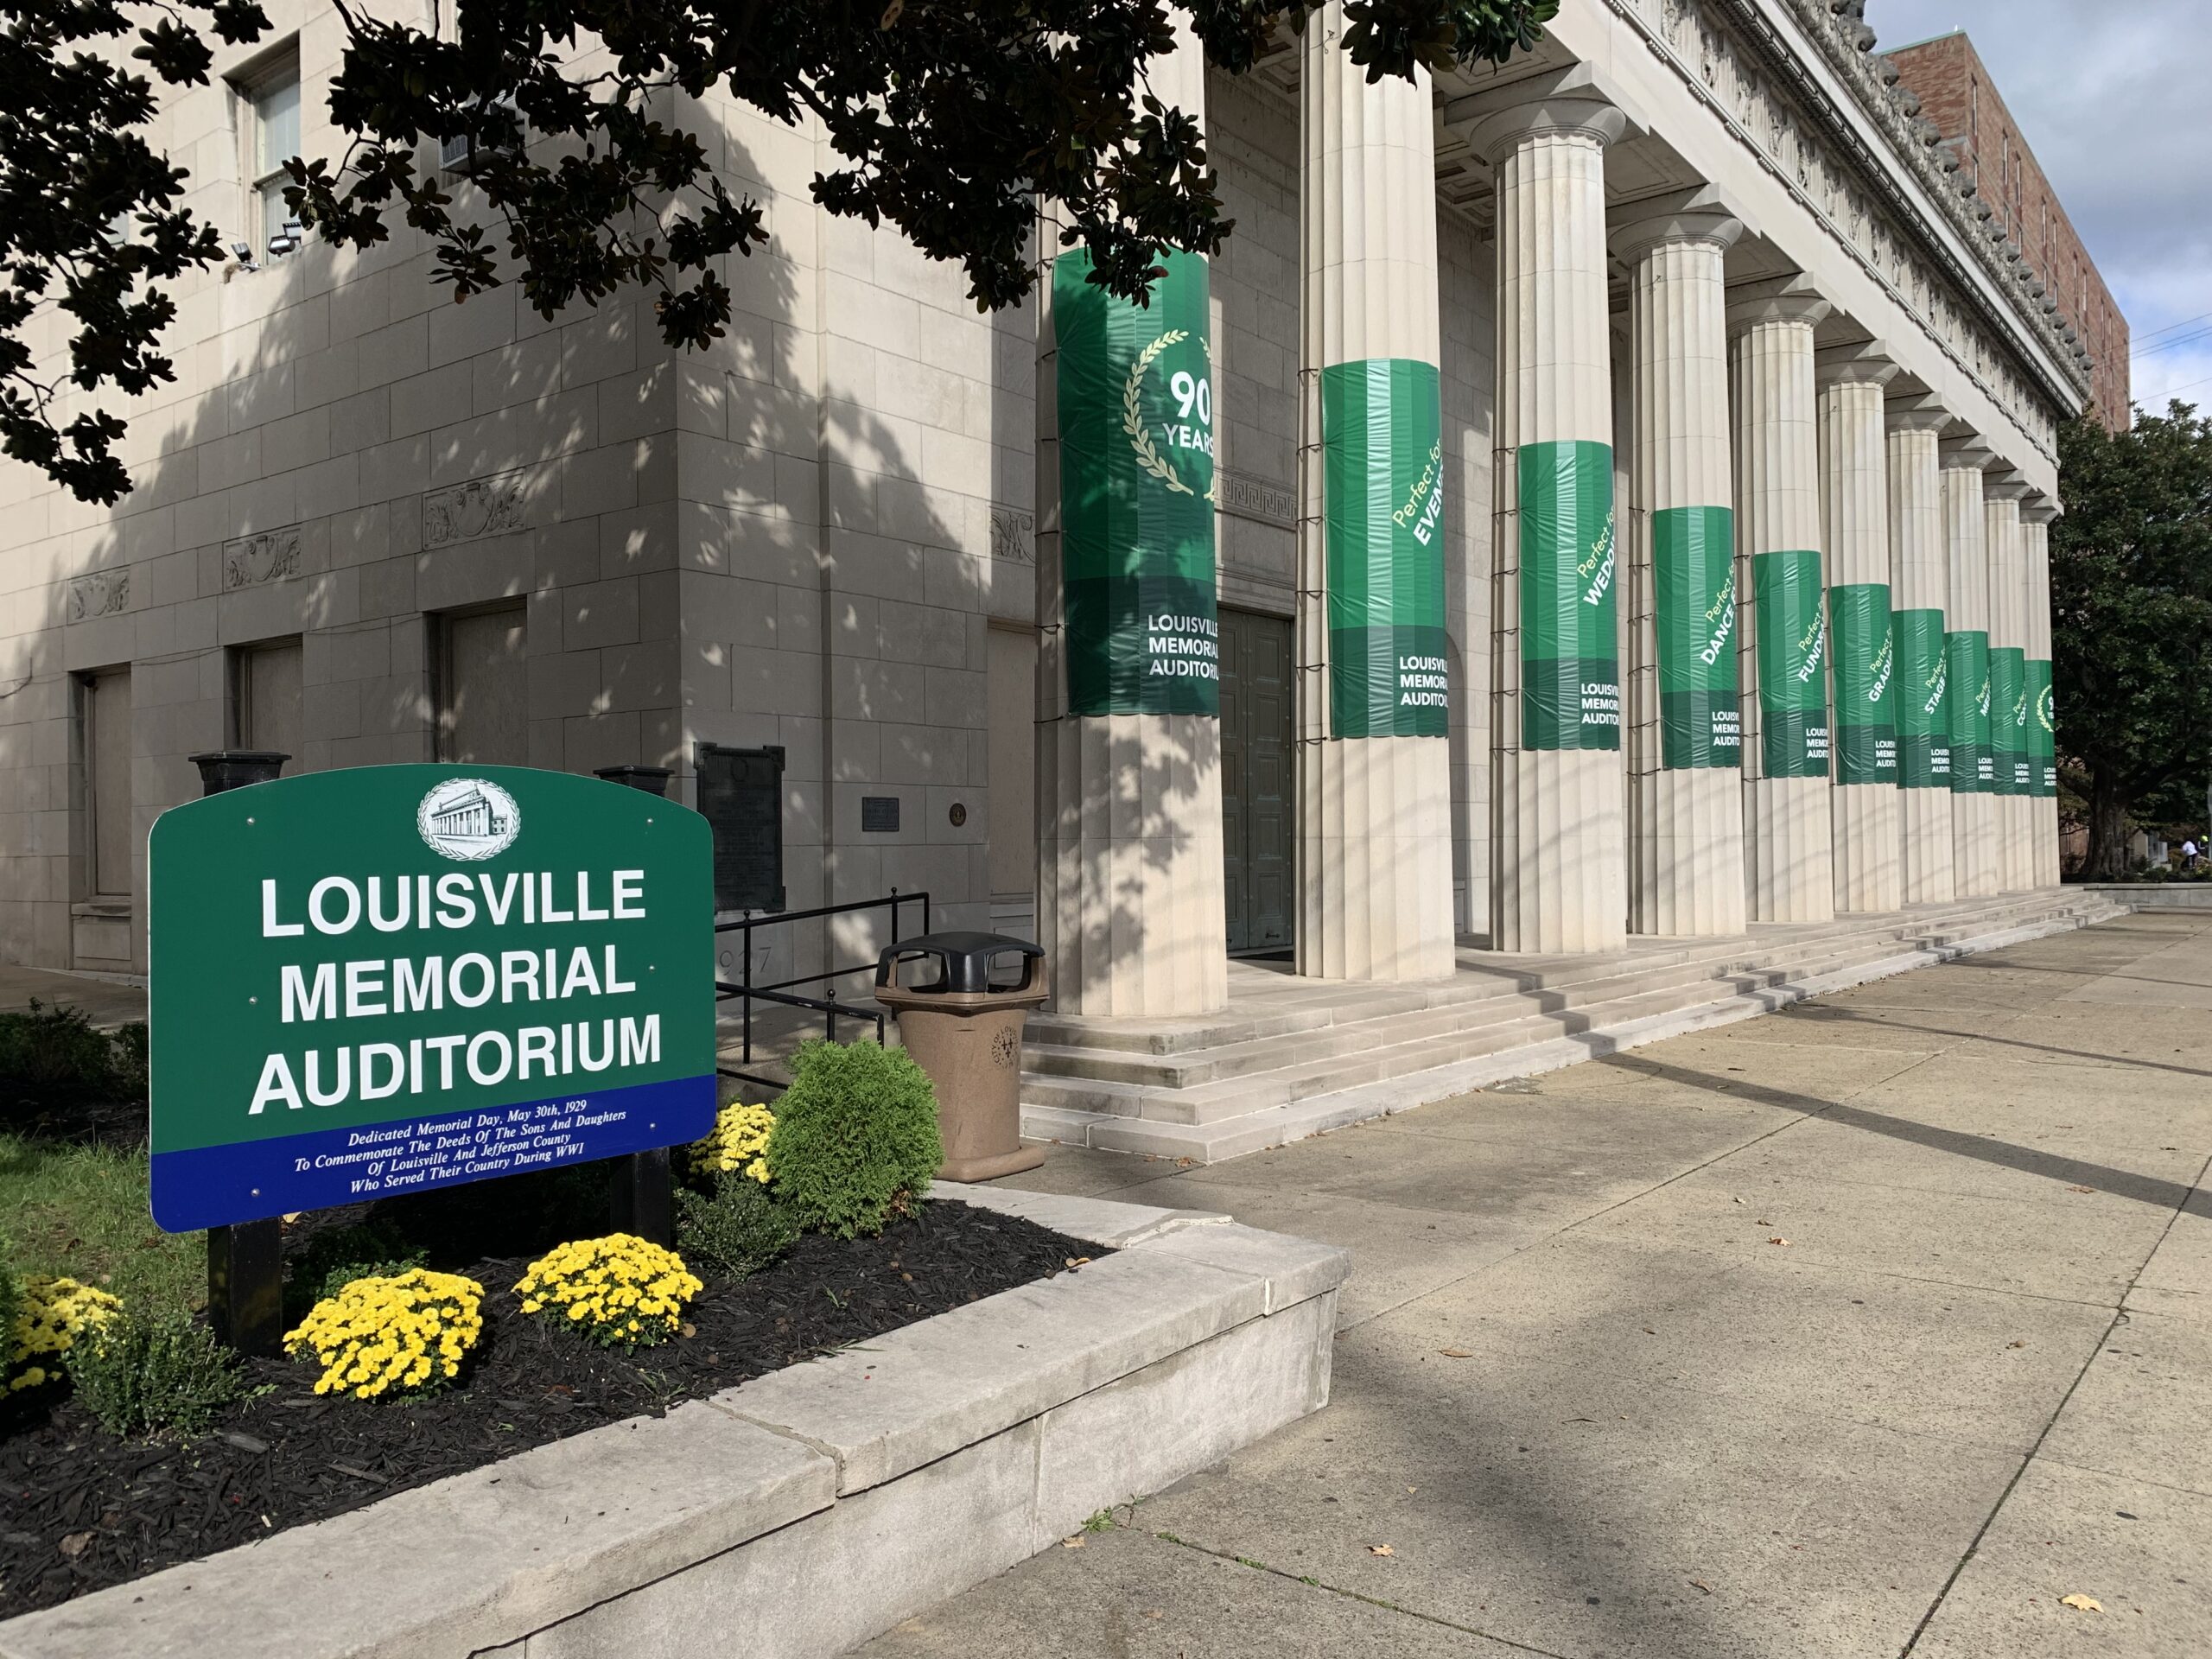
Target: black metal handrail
<point>781,992</point>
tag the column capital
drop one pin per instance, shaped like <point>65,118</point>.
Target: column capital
<point>1699,215</point>
<point>1775,299</point>
<point>2005,486</point>
<point>1567,100</point>
<point>1966,455</point>
<point>2037,510</point>
<point>1917,413</point>
<point>1866,363</point>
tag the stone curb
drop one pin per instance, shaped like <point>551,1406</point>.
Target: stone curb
<point>805,1510</point>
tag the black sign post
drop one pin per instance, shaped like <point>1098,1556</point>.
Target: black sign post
<point>638,1193</point>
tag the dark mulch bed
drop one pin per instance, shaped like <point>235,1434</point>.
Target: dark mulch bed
<point>80,1510</point>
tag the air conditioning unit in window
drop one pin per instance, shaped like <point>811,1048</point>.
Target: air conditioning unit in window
<point>455,155</point>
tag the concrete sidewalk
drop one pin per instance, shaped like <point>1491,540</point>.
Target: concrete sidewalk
<point>1589,1402</point>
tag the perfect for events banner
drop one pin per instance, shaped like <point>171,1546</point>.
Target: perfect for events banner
<point>1792,665</point>
<point>1382,443</point>
<point>1693,561</point>
<point>1923,706</point>
<point>1570,655</point>
<point>2042,730</point>
<point>2008,719</point>
<point>1865,663</point>
<point>1974,770</point>
<point>1135,405</point>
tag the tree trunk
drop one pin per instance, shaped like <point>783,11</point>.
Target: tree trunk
<point>2107,857</point>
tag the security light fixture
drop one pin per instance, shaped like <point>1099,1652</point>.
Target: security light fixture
<point>244,251</point>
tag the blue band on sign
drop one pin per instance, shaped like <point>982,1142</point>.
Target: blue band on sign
<point>212,1187</point>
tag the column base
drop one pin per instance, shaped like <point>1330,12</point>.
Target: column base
<point>1787,849</point>
<point>1687,877</point>
<point>1868,828</point>
<point>1561,878</point>
<point>1928,876</point>
<point>1375,858</point>
<point>1974,846</point>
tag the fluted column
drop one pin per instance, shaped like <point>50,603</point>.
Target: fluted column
<point>1865,815</point>
<point>1973,771</point>
<point>2008,688</point>
<point>1558,808</point>
<point>1685,777</point>
<point>1784,643</point>
<point>1374,690</point>
<point>1920,590</point>
<point>1129,735</point>
<point>2042,721</point>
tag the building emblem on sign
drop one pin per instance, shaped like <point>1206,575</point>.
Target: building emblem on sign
<point>468,819</point>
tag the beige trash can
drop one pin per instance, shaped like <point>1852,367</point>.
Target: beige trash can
<point>967,1035</point>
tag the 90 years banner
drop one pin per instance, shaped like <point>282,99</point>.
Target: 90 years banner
<point>1381,441</point>
<point>386,979</point>
<point>2042,730</point>
<point>1570,656</point>
<point>1865,663</point>
<point>1922,701</point>
<point>1135,404</point>
<point>1792,665</point>
<point>1693,563</point>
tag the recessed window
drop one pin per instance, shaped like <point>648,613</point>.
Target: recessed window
<point>272,139</point>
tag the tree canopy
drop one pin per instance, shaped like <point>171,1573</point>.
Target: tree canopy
<point>2130,615</point>
<point>949,120</point>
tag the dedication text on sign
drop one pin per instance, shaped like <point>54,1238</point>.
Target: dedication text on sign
<point>384,979</point>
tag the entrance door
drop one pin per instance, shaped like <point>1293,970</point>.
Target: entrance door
<point>1255,782</point>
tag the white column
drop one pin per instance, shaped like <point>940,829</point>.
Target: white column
<point>1557,798</point>
<point>1974,769</point>
<point>1684,783</point>
<point>2008,710</point>
<point>2035,539</point>
<point>1866,822</point>
<point>1920,591</point>
<point>1779,596</point>
<point>1374,700</point>
<point>1130,848</point>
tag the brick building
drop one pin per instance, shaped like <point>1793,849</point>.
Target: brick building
<point>1956,93</point>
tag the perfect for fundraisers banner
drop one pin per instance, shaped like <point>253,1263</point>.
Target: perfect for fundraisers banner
<point>385,980</point>
<point>1922,701</point>
<point>2008,718</point>
<point>1570,655</point>
<point>1865,663</point>
<point>2042,730</point>
<point>1382,450</point>
<point>1974,770</point>
<point>1693,563</point>
<point>1792,665</point>
<point>1135,406</point>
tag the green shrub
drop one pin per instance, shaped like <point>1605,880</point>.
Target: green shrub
<point>334,1259</point>
<point>856,1136</point>
<point>142,1373</point>
<point>56,1052</point>
<point>11,1307</point>
<point>737,1227</point>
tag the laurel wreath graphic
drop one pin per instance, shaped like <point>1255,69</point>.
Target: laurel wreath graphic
<point>1147,453</point>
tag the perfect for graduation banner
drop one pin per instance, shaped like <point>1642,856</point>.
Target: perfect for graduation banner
<point>2042,730</point>
<point>1792,665</point>
<point>1135,404</point>
<point>1974,770</point>
<point>1382,443</point>
<point>1570,655</point>
<point>2008,719</point>
<point>1693,563</point>
<point>1865,663</point>
<point>1923,693</point>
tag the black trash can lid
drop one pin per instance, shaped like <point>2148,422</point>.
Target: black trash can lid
<point>966,958</point>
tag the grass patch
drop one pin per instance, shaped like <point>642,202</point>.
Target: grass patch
<point>81,1212</point>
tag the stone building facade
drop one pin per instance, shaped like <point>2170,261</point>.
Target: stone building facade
<point>1683,296</point>
<point>1955,91</point>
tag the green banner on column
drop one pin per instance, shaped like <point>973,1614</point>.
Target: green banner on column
<point>2042,730</point>
<point>1570,656</point>
<point>1792,665</point>
<point>1135,405</point>
<point>1865,664</point>
<point>1693,568</point>
<point>2008,718</point>
<point>1382,457</point>
<point>1922,702</point>
<point>1972,770</point>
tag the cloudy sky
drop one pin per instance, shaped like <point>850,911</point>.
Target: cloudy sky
<point>2116,101</point>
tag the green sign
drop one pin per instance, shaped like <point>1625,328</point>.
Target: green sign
<point>1922,701</point>
<point>386,979</point>
<point>1383,455</point>
<point>2042,730</point>
<point>1974,769</point>
<point>1136,403</point>
<point>1792,665</point>
<point>1570,655</point>
<point>1694,565</point>
<point>2008,719</point>
<point>1865,674</point>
